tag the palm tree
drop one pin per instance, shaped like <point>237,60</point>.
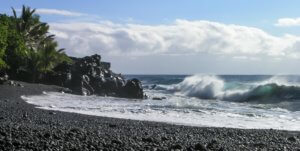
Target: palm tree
<point>50,57</point>
<point>43,54</point>
<point>3,45</point>
<point>29,26</point>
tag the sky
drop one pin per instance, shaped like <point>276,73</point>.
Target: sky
<point>175,36</point>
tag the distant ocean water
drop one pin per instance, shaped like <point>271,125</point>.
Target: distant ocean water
<point>236,101</point>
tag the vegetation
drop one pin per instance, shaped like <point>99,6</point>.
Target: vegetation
<point>26,45</point>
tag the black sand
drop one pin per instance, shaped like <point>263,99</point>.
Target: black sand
<point>23,127</point>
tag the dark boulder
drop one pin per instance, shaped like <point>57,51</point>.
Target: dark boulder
<point>105,65</point>
<point>64,71</point>
<point>3,77</point>
<point>61,75</point>
<point>133,89</point>
<point>88,76</point>
<point>80,85</point>
<point>159,98</point>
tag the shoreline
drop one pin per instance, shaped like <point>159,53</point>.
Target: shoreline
<point>173,122</point>
<point>23,126</point>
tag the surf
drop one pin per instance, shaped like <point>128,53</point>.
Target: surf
<point>274,89</point>
<point>236,101</point>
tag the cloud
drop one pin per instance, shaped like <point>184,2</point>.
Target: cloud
<point>287,22</point>
<point>245,58</point>
<point>182,37</point>
<point>58,12</point>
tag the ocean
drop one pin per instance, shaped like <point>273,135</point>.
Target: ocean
<point>234,101</point>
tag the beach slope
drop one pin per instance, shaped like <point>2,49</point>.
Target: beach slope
<point>23,126</point>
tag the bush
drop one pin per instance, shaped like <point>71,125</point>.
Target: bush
<point>27,46</point>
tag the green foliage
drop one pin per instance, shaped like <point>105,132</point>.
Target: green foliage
<point>50,57</point>
<point>4,31</point>
<point>16,51</point>
<point>25,43</point>
<point>3,45</point>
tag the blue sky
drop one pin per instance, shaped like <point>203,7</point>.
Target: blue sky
<point>208,32</point>
<point>256,13</point>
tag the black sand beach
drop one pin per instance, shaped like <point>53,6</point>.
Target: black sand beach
<point>24,127</point>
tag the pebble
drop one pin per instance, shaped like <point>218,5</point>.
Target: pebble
<point>164,138</point>
<point>176,146</point>
<point>52,113</point>
<point>156,98</point>
<point>292,139</point>
<point>213,144</point>
<point>200,147</point>
<point>149,140</point>
<point>12,83</point>
<point>112,125</point>
<point>114,141</point>
<point>25,115</point>
<point>80,132</point>
<point>20,85</point>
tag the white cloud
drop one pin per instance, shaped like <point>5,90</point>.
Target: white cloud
<point>178,38</point>
<point>287,22</point>
<point>245,58</point>
<point>58,12</point>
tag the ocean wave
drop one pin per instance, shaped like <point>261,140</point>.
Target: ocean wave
<point>213,87</point>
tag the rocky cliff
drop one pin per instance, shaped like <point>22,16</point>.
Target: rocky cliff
<point>90,76</point>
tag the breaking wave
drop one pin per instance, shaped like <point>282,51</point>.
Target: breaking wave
<point>225,101</point>
<point>213,87</point>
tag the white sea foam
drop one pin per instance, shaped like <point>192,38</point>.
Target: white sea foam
<point>279,80</point>
<point>213,87</point>
<point>201,86</point>
<point>175,109</point>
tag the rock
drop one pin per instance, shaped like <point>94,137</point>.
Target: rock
<point>96,78</point>
<point>149,140</point>
<point>112,125</point>
<point>176,146</point>
<point>90,76</point>
<point>52,113</point>
<point>292,139</point>
<point>200,147</point>
<point>105,65</point>
<point>47,135</point>
<point>163,138</point>
<point>3,77</point>
<point>116,141</point>
<point>81,85</point>
<point>153,86</point>
<point>75,130</point>
<point>133,89</point>
<point>87,76</point>
<point>25,115</point>
<point>259,145</point>
<point>66,90</point>
<point>20,85</point>
<point>156,98</point>
<point>11,83</point>
<point>159,98</point>
<point>213,144</point>
<point>63,74</point>
<point>110,85</point>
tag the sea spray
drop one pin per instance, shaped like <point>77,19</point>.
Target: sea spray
<point>199,100</point>
<point>213,87</point>
<point>201,86</point>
